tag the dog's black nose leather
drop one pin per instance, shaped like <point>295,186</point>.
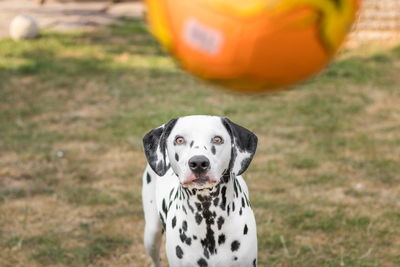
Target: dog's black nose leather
<point>199,164</point>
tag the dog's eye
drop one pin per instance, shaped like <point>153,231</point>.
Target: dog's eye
<point>179,140</point>
<point>217,140</point>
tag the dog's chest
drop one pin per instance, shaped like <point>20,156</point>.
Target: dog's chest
<point>209,230</point>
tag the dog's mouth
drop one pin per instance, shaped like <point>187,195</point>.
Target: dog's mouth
<point>200,180</point>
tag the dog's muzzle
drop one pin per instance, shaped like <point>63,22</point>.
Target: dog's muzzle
<point>199,165</point>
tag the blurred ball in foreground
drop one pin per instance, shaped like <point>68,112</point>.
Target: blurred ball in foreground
<point>23,27</point>
<point>252,45</point>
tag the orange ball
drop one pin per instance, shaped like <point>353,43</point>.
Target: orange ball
<point>252,45</point>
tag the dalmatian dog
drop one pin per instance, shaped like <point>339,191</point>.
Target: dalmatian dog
<point>194,192</point>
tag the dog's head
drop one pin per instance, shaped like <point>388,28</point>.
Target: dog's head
<point>200,149</point>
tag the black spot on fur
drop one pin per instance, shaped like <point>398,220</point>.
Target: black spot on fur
<point>202,262</point>
<point>254,262</point>
<point>198,218</point>
<point>216,200</point>
<point>240,188</point>
<point>220,222</point>
<point>176,157</point>
<point>173,222</point>
<point>235,245</point>
<point>162,221</point>
<point>209,217</point>
<point>187,192</point>
<point>179,252</point>
<point>190,206</point>
<point>221,239</point>
<point>235,258</point>
<point>184,238</point>
<point>148,178</point>
<point>247,201</point>
<point>191,143</point>
<point>164,207</point>
<point>198,206</point>
<point>184,209</point>
<point>243,203</point>
<point>245,230</point>
<point>184,226</point>
<point>235,187</point>
<point>206,253</point>
<point>194,237</point>
<point>213,150</point>
<point>223,195</point>
<point>225,178</point>
<point>240,212</point>
<point>200,197</point>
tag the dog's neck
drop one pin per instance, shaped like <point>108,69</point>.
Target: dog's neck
<point>207,210</point>
<point>222,196</point>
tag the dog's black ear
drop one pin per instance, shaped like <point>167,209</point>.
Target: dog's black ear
<point>244,145</point>
<point>154,143</point>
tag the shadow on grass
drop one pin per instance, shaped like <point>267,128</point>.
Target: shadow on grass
<point>48,249</point>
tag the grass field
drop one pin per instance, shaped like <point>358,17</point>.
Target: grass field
<point>73,109</point>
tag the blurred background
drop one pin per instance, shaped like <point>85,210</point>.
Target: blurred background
<point>76,101</point>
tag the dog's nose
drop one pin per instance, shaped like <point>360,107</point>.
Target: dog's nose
<point>199,164</point>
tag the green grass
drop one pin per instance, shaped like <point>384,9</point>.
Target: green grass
<point>324,181</point>
<point>87,196</point>
<point>49,249</point>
